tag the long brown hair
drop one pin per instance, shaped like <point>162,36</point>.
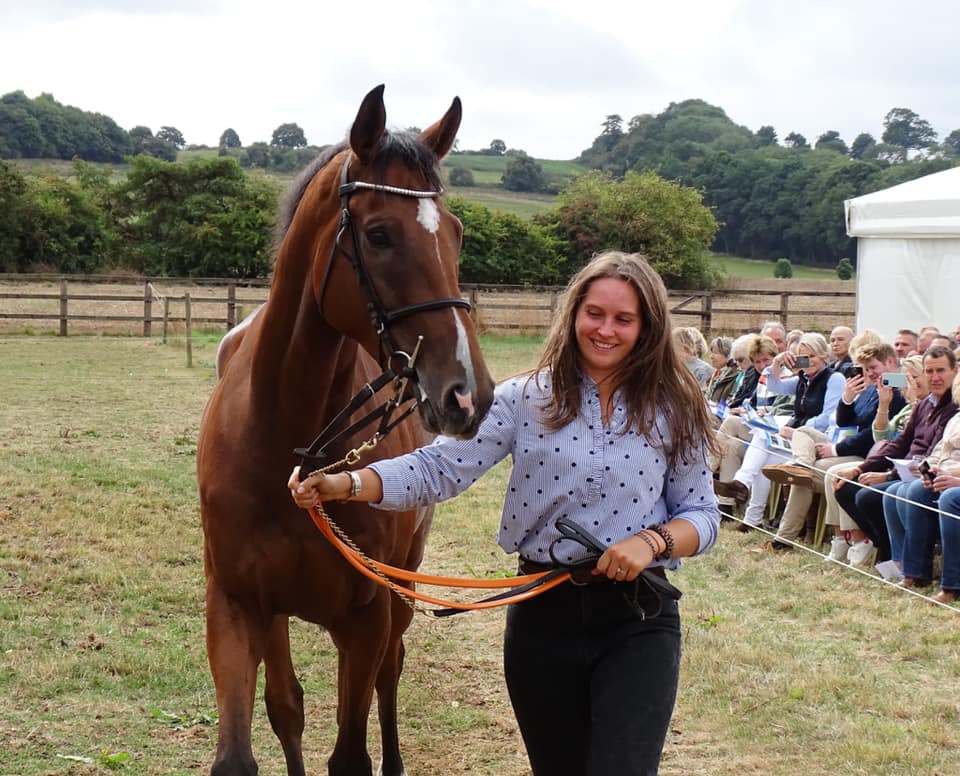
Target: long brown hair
<point>651,377</point>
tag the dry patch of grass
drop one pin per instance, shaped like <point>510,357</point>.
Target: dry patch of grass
<point>789,667</point>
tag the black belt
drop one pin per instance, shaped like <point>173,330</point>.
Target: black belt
<point>583,575</point>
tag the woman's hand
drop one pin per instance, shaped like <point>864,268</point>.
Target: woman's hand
<point>942,481</point>
<point>872,478</point>
<point>318,487</point>
<point>624,561</point>
<point>841,477</point>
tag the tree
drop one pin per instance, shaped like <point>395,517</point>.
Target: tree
<point>844,269</point>
<point>613,125</point>
<point>230,139</point>
<point>204,217</point>
<point>172,135</point>
<point>783,269</point>
<point>461,176</point>
<point>12,187</point>
<point>795,140</point>
<point>522,173</point>
<point>766,136</point>
<point>862,146</point>
<point>497,147</point>
<point>288,136</point>
<point>642,213</point>
<point>952,143</point>
<point>904,128</point>
<point>831,141</point>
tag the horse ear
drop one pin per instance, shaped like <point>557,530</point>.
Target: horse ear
<point>441,135</point>
<point>368,126</point>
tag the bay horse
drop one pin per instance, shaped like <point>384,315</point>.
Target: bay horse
<point>366,264</point>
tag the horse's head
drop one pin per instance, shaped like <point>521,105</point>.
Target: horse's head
<point>392,279</point>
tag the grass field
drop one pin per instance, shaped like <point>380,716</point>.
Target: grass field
<point>751,268</point>
<point>790,666</point>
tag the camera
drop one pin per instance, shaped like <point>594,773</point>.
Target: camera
<point>853,371</point>
<point>801,362</point>
<point>924,468</point>
<point>893,380</point>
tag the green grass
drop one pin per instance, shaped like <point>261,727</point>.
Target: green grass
<point>524,205</point>
<point>790,666</point>
<point>751,268</point>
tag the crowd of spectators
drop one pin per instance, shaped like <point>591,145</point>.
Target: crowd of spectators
<point>869,425</point>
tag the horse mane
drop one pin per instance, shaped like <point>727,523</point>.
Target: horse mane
<point>395,146</point>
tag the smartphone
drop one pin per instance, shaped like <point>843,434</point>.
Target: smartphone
<point>924,468</point>
<point>893,380</point>
<point>801,362</point>
<point>853,371</point>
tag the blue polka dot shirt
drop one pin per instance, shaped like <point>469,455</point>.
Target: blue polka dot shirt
<point>611,483</point>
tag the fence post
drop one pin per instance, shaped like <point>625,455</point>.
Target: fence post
<point>187,315</point>
<point>475,308</point>
<point>784,307</point>
<point>706,314</point>
<point>231,305</point>
<point>166,317</point>
<point>63,307</point>
<point>147,307</point>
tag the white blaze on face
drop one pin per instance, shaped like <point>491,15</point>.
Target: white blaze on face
<point>463,356</point>
<point>428,215</point>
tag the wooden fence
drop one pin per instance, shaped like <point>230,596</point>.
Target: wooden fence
<point>151,306</point>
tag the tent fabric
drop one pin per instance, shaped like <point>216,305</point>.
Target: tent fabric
<point>908,254</point>
<point>924,207</point>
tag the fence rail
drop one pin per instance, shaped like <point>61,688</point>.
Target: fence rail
<point>60,303</point>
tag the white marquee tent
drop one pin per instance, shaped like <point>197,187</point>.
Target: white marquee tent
<point>908,254</point>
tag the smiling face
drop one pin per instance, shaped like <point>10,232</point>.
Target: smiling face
<point>607,326</point>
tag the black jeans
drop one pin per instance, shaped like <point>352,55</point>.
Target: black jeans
<point>865,508</point>
<point>592,683</point>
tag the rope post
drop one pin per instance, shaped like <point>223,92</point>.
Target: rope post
<point>231,305</point>
<point>187,314</point>
<point>63,307</point>
<point>166,317</point>
<point>147,307</point>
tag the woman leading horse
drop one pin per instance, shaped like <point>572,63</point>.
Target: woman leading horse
<point>365,272</point>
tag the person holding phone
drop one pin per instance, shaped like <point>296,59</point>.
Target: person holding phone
<point>610,430</point>
<point>816,389</point>
<point>914,523</point>
<point>918,438</point>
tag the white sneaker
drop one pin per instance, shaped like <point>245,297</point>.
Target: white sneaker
<point>838,549</point>
<point>861,554</point>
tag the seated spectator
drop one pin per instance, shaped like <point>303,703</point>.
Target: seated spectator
<point>927,333</point>
<point>777,332</point>
<point>944,339</point>
<point>913,523</point>
<point>840,339</point>
<point>793,337</point>
<point>691,346</point>
<point>815,451</point>
<point>734,433</point>
<point>947,484</point>
<point>865,505</point>
<point>816,390</point>
<point>721,383</point>
<point>905,342</point>
<point>886,427</point>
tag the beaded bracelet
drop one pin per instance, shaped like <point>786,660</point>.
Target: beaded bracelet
<point>667,537</point>
<point>650,543</point>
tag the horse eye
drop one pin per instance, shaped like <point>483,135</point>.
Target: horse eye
<point>378,237</point>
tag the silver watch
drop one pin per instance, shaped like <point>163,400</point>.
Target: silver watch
<point>356,484</point>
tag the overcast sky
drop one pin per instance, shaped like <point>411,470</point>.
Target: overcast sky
<point>539,74</point>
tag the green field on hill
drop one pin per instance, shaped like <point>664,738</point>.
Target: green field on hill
<point>753,268</point>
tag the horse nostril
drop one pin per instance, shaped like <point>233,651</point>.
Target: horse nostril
<point>463,401</point>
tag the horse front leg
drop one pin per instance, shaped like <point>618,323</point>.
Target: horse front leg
<point>361,642</point>
<point>388,681</point>
<point>234,649</point>
<point>284,695</point>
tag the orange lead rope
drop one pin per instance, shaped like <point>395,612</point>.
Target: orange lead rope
<point>384,575</point>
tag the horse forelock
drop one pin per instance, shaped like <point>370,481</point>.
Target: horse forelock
<point>395,146</point>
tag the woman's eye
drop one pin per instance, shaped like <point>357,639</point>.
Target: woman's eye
<point>378,237</point>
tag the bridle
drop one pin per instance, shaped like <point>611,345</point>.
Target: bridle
<point>380,317</point>
<point>398,366</point>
